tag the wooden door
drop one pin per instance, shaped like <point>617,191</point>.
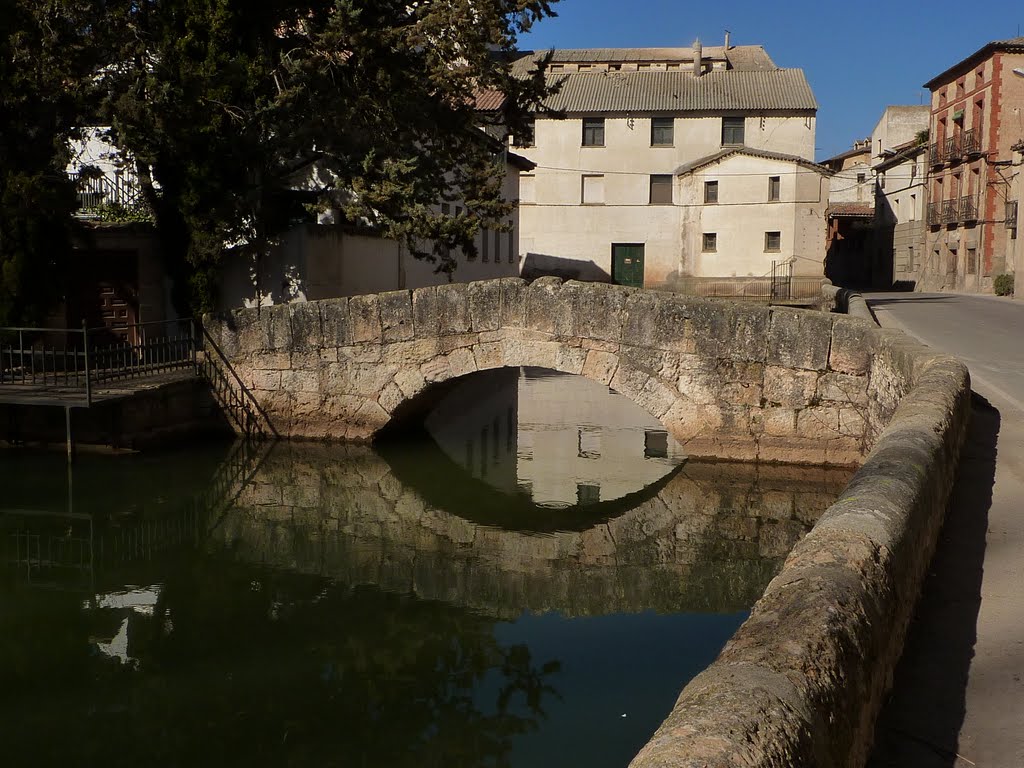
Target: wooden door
<point>628,264</point>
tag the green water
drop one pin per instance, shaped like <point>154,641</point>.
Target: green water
<point>313,605</point>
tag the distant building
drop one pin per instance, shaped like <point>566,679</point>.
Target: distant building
<point>975,121</point>
<point>899,145</point>
<point>850,217</point>
<point>645,147</point>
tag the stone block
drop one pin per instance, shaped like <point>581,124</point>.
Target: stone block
<point>656,398</point>
<point>489,355</point>
<point>571,359</point>
<point>778,422</point>
<point>300,381</point>
<point>843,388</point>
<point>600,366</point>
<point>818,423</point>
<point>273,361</point>
<point>410,381</point>
<point>643,359</point>
<point>364,319</point>
<point>658,320</point>
<point>453,309</point>
<point>547,310</point>
<point>413,352</point>
<point>513,302</point>
<point>391,397</point>
<point>788,387</point>
<point>852,346</point>
<point>396,316</point>
<point>354,379</point>
<point>334,323</point>
<point>436,370</point>
<point>277,328</point>
<point>629,382</point>
<point>485,305</point>
<point>799,339</point>
<point>461,362</point>
<point>306,330</point>
<point>699,385</point>
<point>261,379</point>
<point>598,309</point>
<point>426,313</point>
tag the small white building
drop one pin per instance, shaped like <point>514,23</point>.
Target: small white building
<point>605,202</point>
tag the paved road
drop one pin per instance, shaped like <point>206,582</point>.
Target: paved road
<point>958,698</point>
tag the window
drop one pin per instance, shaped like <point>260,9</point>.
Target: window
<point>861,178</point>
<point>732,130</point>
<point>662,131</point>
<point>511,246</point>
<point>655,444</point>
<point>710,191</point>
<point>593,190</point>
<point>497,246</point>
<point>593,132</point>
<point>710,242</point>
<point>527,137</point>
<point>979,77</point>
<point>913,209</point>
<point>910,259</point>
<point>774,188</point>
<point>661,189</point>
<point>587,493</point>
<point>446,209</point>
<point>527,188</point>
<point>972,261</point>
<point>881,181</point>
<point>772,242</point>
<point>485,242</point>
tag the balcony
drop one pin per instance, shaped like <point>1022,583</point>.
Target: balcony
<point>968,209</point>
<point>935,154</point>
<point>971,142</point>
<point>952,149</point>
<point>1011,214</point>
<point>934,214</point>
<point>96,193</point>
<point>950,211</point>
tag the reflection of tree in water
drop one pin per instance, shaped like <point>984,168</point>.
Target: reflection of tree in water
<point>238,666</point>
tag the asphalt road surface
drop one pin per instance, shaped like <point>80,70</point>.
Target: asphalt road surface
<point>958,696</point>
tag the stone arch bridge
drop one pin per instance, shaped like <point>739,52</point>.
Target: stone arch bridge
<point>728,380</point>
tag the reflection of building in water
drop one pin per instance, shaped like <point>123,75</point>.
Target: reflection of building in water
<point>475,425</point>
<point>565,439</point>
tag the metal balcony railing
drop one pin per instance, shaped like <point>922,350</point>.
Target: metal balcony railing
<point>971,141</point>
<point>949,211</point>
<point>952,149</point>
<point>935,154</point>
<point>968,208</point>
<point>934,214</point>
<point>94,192</point>
<point>1011,214</point>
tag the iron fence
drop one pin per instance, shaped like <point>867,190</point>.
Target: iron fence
<point>780,286</point>
<point>74,360</point>
<point>95,192</point>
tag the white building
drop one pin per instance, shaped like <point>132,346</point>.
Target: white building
<point>606,202</point>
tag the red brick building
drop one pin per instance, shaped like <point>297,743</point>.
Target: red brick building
<point>977,115</point>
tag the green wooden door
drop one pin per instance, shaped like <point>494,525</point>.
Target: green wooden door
<point>628,265</point>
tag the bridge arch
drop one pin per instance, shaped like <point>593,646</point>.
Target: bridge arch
<point>728,380</point>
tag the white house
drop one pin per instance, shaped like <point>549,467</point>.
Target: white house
<point>605,201</point>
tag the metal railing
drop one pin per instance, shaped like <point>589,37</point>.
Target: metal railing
<point>95,192</point>
<point>934,214</point>
<point>761,289</point>
<point>949,211</point>
<point>971,141</point>
<point>968,208</point>
<point>1010,219</point>
<point>951,149</point>
<point>935,154</point>
<point>74,360</point>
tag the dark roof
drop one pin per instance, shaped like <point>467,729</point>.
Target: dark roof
<point>729,151</point>
<point>676,91</point>
<point>1014,45</point>
<point>520,162</point>
<point>901,153</point>
<point>489,99</point>
<point>746,57</point>
<point>850,210</point>
<point>848,153</point>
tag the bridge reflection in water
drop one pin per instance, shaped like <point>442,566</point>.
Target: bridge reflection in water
<point>294,603</point>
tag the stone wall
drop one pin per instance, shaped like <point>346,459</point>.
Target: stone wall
<point>729,381</point>
<point>802,681</point>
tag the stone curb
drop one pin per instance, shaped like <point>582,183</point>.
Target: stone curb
<point>802,681</point>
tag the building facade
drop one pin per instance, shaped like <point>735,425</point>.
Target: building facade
<point>975,121</point>
<point>607,200</point>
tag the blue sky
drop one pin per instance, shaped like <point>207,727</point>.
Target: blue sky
<point>858,57</point>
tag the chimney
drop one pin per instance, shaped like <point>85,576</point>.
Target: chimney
<point>728,34</point>
<point>698,61</point>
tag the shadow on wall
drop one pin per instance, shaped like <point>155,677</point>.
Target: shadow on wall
<point>920,723</point>
<point>541,264</point>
